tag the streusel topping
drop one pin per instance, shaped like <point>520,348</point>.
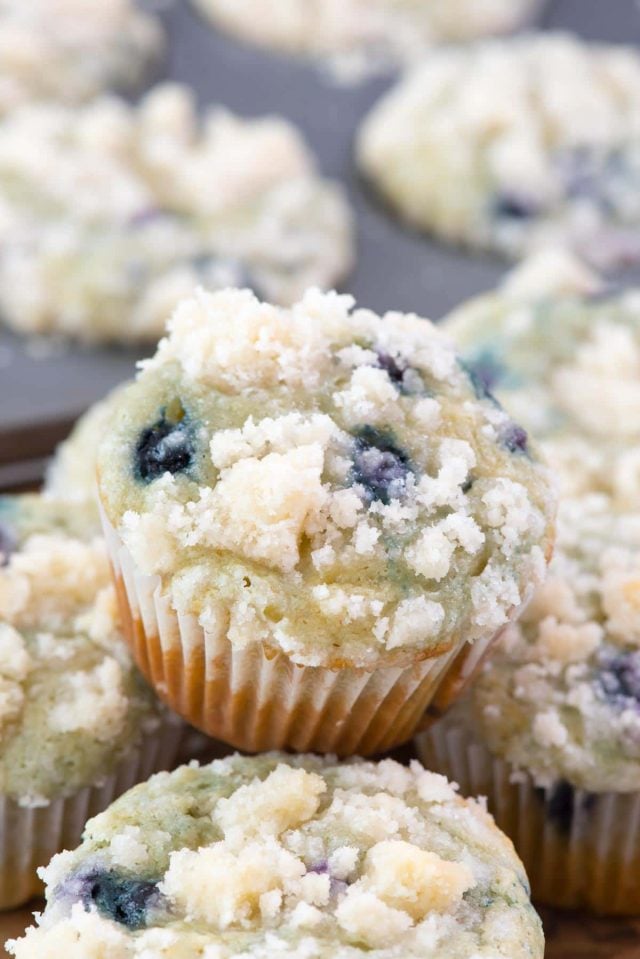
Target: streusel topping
<point>295,857</point>
<point>325,481</point>
<point>111,213</point>
<point>512,145</point>
<point>71,702</point>
<point>561,350</point>
<point>561,697</point>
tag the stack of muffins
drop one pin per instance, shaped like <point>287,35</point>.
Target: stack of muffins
<point>318,520</point>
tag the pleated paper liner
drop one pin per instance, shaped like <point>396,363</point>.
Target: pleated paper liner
<point>581,850</point>
<point>256,699</point>
<point>31,835</point>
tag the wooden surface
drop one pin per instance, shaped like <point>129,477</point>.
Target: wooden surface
<point>569,935</point>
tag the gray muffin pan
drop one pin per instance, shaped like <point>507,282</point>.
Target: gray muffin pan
<point>45,386</point>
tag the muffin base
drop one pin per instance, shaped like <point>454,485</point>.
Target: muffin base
<point>580,849</point>
<point>255,698</point>
<point>31,835</point>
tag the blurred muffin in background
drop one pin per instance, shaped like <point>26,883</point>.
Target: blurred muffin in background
<point>71,50</point>
<point>560,349</point>
<point>111,213</point>
<point>510,145</point>
<point>550,731</point>
<point>355,38</point>
<point>78,725</point>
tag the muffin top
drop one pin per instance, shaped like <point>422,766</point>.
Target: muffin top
<point>324,481</point>
<point>110,213</point>
<point>71,703</point>
<point>360,37</point>
<point>281,856</point>
<point>561,350</point>
<point>512,144</point>
<point>69,50</point>
<point>561,696</point>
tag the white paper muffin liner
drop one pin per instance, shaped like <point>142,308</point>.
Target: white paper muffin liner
<point>31,835</point>
<point>580,849</point>
<point>256,699</point>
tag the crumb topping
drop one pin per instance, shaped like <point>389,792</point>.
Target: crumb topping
<point>59,49</point>
<point>67,686</point>
<point>515,145</point>
<point>324,465</point>
<point>566,363</point>
<point>562,696</point>
<point>302,857</point>
<point>112,213</point>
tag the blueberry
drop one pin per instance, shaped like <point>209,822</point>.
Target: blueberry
<point>515,439</point>
<point>337,887</point>
<point>485,372</point>
<point>619,678</point>
<point>394,366</point>
<point>7,544</point>
<point>165,447</point>
<point>117,897</point>
<point>379,465</point>
<point>122,899</point>
<point>561,806</point>
<point>404,377</point>
<point>510,206</point>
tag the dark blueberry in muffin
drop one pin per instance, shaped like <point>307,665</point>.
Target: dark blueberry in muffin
<point>485,372</point>
<point>7,543</point>
<point>337,886</point>
<point>165,447</point>
<point>117,897</point>
<point>379,465</point>
<point>394,366</point>
<point>619,678</point>
<point>120,898</point>
<point>515,439</point>
<point>404,377</point>
<point>510,206</point>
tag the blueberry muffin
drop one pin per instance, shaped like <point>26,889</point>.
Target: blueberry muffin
<point>317,497</point>
<point>110,213</point>
<point>550,731</point>
<point>71,50</point>
<point>71,474</point>
<point>561,350</point>
<point>356,38</point>
<point>78,725</point>
<point>511,145</point>
<point>285,856</point>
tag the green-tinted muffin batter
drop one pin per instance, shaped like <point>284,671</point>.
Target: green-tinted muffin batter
<point>325,481</point>
<point>297,857</point>
<point>71,703</point>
